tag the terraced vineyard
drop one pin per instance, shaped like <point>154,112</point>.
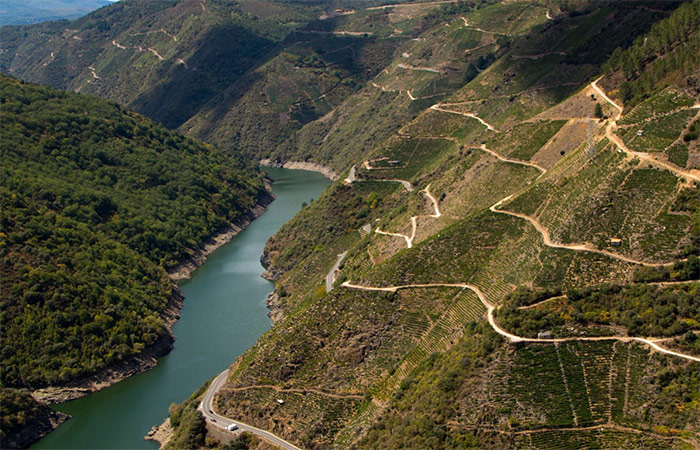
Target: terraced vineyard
<point>506,173</point>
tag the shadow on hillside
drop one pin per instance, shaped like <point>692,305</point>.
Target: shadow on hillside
<point>223,55</point>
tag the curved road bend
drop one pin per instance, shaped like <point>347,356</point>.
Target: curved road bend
<point>207,409</point>
<point>330,278</point>
<point>512,337</point>
<point>610,134</point>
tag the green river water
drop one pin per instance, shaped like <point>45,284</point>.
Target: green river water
<point>224,313</point>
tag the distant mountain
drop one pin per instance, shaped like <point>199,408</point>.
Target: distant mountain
<point>20,12</point>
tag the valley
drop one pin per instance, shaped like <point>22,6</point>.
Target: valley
<point>508,254</point>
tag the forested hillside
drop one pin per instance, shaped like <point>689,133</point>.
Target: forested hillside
<point>98,203</point>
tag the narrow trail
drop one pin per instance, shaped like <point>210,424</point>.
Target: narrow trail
<point>410,4</point>
<point>438,107</point>
<point>466,24</point>
<point>162,30</point>
<point>295,390</point>
<point>509,160</point>
<point>418,68</point>
<point>95,77</point>
<point>512,337</point>
<point>610,134</point>
<point>574,247</point>
<point>414,220</point>
<point>337,33</point>
<point>542,302</point>
<point>157,55</point>
<point>352,178</point>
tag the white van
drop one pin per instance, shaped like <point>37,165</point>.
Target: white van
<point>232,427</point>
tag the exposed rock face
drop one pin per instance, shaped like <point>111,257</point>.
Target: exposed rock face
<point>302,165</point>
<point>274,304</point>
<point>40,421</point>
<point>161,433</point>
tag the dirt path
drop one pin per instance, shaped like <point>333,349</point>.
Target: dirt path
<point>439,107</point>
<point>411,4</point>
<point>296,390</point>
<point>414,220</point>
<point>418,68</point>
<point>512,337</point>
<point>610,134</point>
<point>542,302</point>
<point>512,161</point>
<point>574,247</point>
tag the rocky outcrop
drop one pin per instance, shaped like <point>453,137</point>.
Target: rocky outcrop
<point>274,304</point>
<point>161,433</point>
<point>302,165</point>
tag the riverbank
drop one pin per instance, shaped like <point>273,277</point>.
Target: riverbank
<point>148,359</point>
<point>302,165</point>
<point>184,270</point>
<point>223,316</point>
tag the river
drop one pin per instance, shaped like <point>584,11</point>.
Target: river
<point>223,315</point>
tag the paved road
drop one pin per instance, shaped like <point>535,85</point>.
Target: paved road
<point>207,409</point>
<point>351,176</point>
<point>330,278</point>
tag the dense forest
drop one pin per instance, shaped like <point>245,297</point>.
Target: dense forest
<point>97,203</point>
<point>668,51</point>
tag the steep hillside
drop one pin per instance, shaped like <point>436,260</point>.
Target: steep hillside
<point>512,273</point>
<point>163,58</point>
<point>98,203</point>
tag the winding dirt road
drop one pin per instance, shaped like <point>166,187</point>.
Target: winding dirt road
<point>439,107</point>
<point>574,247</point>
<point>610,134</point>
<point>512,337</point>
<point>414,220</point>
<point>509,160</point>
